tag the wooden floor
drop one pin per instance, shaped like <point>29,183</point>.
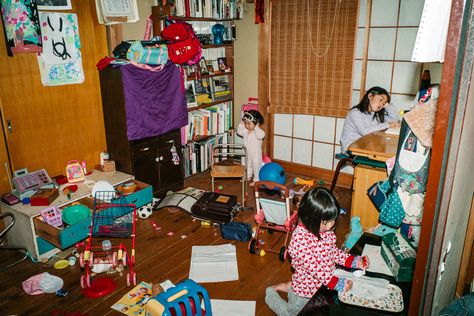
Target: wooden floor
<point>160,257</point>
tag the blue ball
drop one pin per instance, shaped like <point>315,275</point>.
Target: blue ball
<point>272,172</point>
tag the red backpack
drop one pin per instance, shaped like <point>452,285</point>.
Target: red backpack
<point>184,47</point>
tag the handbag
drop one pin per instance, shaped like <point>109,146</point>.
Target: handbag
<point>378,192</point>
<point>236,231</point>
<point>391,211</point>
<point>412,164</point>
<point>74,172</point>
<point>151,55</point>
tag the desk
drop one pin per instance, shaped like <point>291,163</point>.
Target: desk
<point>340,309</point>
<point>377,146</point>
<point>23,232</point>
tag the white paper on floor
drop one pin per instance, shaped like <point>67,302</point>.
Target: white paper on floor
<point>233,308</point>
<point>365,287</point>
<point>377,263</point>
<point>214,264</point>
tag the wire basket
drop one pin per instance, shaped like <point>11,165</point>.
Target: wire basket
<point>112,216</point>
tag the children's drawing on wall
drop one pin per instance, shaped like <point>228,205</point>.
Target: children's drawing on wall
<point>21,25</point>
<point>61,61</point>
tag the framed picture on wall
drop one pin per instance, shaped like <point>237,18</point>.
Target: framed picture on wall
<point>54,4</point>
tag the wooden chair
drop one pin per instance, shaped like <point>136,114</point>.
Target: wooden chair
<point>229,161</point>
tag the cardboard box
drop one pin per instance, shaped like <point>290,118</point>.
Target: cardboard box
<point>107,167</point>
<point>44,197</point>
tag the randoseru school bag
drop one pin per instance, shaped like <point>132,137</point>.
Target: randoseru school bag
<point>184,47</point>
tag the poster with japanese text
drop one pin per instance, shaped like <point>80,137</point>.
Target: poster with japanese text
<point>61,61</point>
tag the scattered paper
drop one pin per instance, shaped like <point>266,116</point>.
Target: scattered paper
<point>214,264</point>
<point>377,263</point>
<point>232,308</point>
<point>365,287</point>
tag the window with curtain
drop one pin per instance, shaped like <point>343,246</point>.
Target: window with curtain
<point>311,56</point>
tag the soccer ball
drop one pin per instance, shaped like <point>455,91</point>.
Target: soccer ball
<point>145,211</point>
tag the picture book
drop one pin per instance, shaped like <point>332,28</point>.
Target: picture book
<point>133,303</point>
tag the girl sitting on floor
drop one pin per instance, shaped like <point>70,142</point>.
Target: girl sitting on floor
<point>314,255</point>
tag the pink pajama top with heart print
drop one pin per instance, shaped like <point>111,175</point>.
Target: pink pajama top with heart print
<point>314,261</point>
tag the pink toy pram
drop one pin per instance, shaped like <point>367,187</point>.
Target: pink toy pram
<point>112,218</point>
<point>272,202</point>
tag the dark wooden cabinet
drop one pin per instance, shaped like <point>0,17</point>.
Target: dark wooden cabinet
<point>148,159</point>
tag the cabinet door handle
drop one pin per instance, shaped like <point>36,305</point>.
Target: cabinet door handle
<point>159,159</point>
<point>145,149</point>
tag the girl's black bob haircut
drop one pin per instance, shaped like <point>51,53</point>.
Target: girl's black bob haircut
<point>363,105</point>
<point>318,205</point>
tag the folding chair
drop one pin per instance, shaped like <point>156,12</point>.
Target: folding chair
<point>229,161</point>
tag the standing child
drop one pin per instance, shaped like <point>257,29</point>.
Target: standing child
<point>373,113</point>
<point>249,129</point>
<point>314,255</point>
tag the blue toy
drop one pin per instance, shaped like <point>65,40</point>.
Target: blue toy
<point>272,172</point>
<point>183,299</point>
<point>356,232</point>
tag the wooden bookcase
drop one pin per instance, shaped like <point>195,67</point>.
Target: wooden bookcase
<point>159,13</point>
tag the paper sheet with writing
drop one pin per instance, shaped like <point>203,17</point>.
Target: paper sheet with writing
<point>377,264</point>
<point>214,264</point>
<point>233,308</point>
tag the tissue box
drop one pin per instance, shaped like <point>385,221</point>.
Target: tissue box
<point>400,256</point>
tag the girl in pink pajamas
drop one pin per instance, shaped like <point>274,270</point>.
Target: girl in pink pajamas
<point>249,129</point>
<point>314,255</point>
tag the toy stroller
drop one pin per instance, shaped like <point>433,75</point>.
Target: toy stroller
<point>113,217</point>
<point>273,214</point>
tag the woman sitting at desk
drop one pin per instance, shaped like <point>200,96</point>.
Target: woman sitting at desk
<point>373,113</point>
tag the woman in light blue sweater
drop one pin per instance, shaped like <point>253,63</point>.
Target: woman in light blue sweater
<point>373,113</point>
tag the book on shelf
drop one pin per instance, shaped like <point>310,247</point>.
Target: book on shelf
<point>197,156</point>
<point>220,87</point>
<point>212,120</point>
<point>215,9</point>
<point>203,91</point>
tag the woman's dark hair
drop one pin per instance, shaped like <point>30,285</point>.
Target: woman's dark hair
<point>317,205</point>
<point>254,116</point>
<point>363,105</point>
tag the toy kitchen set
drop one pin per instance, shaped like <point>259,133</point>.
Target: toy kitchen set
<point>49,219</point>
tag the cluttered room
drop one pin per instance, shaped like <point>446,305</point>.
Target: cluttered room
<point>236,157</point>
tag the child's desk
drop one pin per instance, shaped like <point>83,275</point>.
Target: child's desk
<point>375,146</point>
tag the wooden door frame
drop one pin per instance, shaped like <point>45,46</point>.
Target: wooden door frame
<point>429,245</point>
<point>434,215</point>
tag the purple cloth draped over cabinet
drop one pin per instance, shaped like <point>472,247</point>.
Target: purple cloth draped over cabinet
<point>154,101</point>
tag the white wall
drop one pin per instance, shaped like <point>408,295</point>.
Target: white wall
<point>245,61</point>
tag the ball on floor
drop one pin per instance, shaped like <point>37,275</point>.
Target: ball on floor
<point>145,211</point>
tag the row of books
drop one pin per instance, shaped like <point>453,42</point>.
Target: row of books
<point>216,119</point>
<point>197,155</point>
<point>216,9</point>
<point>207,90</point>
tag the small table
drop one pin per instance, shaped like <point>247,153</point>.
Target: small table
<point>23,232</point>
<point>333,308</point>
<point>377,146</point>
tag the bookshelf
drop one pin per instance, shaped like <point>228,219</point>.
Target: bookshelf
<point>209,84</point>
